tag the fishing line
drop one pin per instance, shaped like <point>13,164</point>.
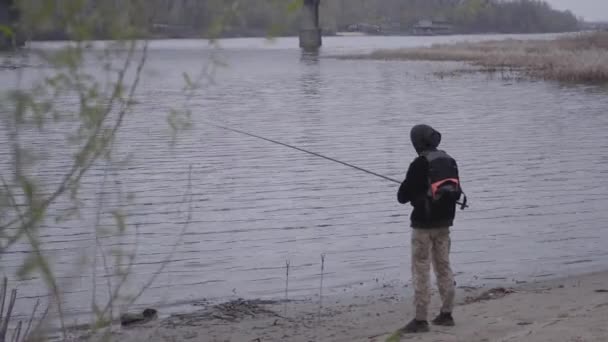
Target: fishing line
<point>306,151</point>
<point>234,130</point>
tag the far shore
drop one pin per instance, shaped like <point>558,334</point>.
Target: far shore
<point>580,58</point>
<point>263,34</point>
<point>573,309</point>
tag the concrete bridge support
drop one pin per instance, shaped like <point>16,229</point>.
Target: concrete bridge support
<point>310,31</point>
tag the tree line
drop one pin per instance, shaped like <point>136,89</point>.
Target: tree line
<point>188,18</point>
<point>467,16</point>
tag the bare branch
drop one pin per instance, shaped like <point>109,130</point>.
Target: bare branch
<point>42,262</point>
<point>3,294</point>
<point>9,312</point>
<point>97,246</point>
<point>29,323</point>
<point>17,332</point>
<point>68,178</point>
<point>174,248</point>
<point>41,321</point>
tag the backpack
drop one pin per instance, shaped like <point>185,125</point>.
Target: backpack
<point>443,179</point>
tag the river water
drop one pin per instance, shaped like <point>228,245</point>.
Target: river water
<point>532,156</point>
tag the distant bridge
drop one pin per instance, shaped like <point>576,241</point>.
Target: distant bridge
<point>310,30</point>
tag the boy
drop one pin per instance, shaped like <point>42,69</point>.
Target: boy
<point>432,187</point>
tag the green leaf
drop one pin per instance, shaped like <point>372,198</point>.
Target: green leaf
<point>275,31</point>
<point>6,31</point>
<point>119,217</point>
<point>28,189</point>
<point>294,5</point>
<point>188,80</point>
<point>395,337</point>
<point>29,266</point>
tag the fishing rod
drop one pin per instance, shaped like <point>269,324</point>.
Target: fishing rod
<point>234,130</point>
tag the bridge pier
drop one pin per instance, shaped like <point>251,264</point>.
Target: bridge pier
<point>310,31</point>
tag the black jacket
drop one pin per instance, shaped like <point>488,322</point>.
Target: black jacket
<point>413,190</point>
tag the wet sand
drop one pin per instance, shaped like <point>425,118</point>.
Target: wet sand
<point>571,309</point>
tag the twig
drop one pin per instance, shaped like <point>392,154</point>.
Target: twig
<point>68,177</point>
<point>114,293</point>
<point>174,248</point>
<point>321,285</point>
<point>110,139</point>
<point>97,247</point>
<point>320,294</point>
<point>45,268</point>
<point>29,324</point>
<point>17,332</point>
<point>78,170</point>
<point>9,311</point>
<point>287,264</point>
<point>40,323</point>
<point>3,294</point>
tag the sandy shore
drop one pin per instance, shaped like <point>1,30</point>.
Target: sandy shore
<point>573,310</point>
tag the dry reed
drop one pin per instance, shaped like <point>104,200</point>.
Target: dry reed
<point>573,58</point>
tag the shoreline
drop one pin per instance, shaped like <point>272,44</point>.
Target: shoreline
<point>62,39</point>
<point>577,58</point>
<point>565,309</point>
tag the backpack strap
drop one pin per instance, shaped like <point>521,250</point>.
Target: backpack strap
<point>464,204</point>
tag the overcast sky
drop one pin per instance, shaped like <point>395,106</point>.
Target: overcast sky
<point>590,9</point>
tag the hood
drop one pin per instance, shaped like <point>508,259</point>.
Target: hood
<point>424,138</point>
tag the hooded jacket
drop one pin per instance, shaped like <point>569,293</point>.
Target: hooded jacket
<point>414,188</point>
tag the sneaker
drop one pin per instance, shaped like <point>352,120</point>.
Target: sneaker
<point>416,326</point>
<point>444,319</point>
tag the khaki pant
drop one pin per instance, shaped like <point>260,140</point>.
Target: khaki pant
<point>431,246</point>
